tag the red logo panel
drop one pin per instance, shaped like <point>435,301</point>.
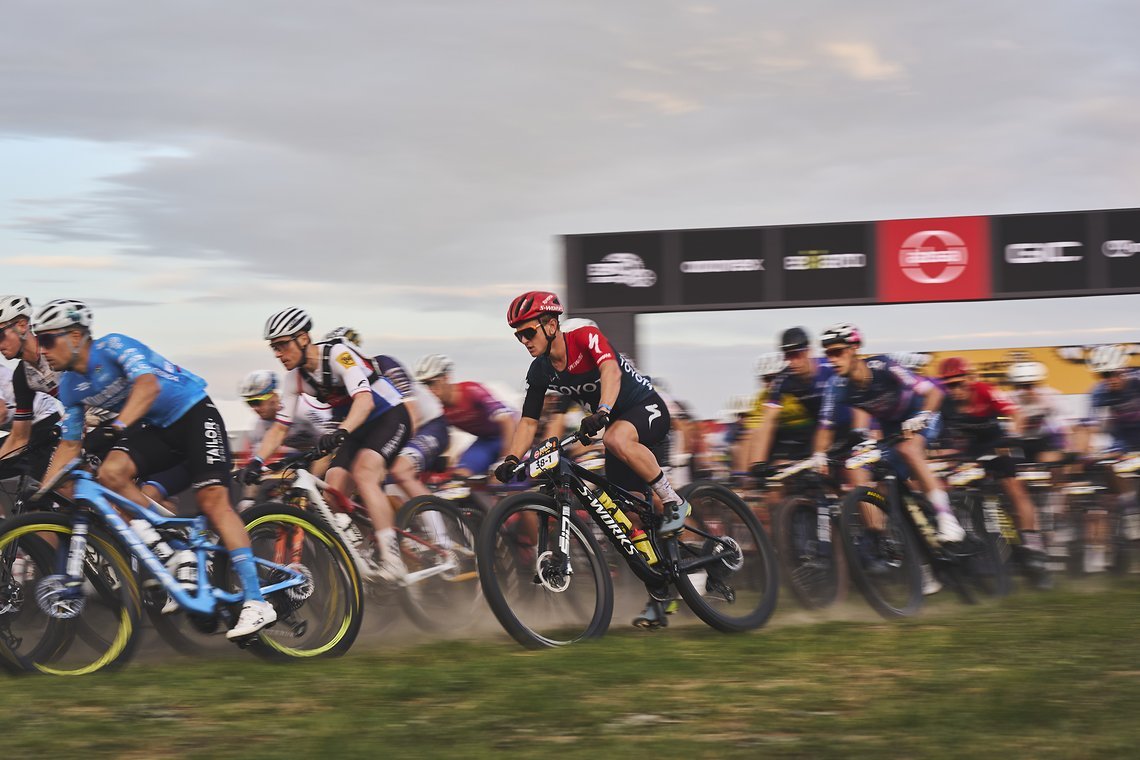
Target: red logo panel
<point>934,259</point>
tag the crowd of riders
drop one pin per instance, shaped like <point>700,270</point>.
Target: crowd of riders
<point>153,427</point>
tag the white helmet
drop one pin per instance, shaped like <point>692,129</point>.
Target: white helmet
<point>261,382</point>
<point>432,365</point>
<point>62,313</point>
<point>14,306</point>
<point>1026,373</point>
<point>770,364</point>
<point>1109,358</point>
<point>343,333</point>
<point>288,322</point>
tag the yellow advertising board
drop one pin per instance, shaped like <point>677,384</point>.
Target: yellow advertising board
<point>1067,366</point>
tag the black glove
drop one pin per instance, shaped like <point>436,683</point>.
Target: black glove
<point>595,422</point>
<point>330,442</point>
<point>760,471</point>
<point>251,473</point>
<point>102,438</point>
<point>505,472</point>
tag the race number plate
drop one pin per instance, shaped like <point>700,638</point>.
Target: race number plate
<point>544,463</point>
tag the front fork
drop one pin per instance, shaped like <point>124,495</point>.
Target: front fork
<point>76,554</point>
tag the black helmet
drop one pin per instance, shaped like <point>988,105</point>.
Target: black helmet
<point>794,339</point>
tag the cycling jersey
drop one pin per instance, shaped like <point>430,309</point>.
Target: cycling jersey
<point>313,420</point>
<point>892,394</point>
<point>1119,410</point>
<point>586,350</point>
<point>799,401</point>
<point>976,420</point>
<point>39,407</point>
<point>427,404</point>
<point>1041,413</point>
<point>115,361</point>
<point>474,410</point>
<point>342,374</point>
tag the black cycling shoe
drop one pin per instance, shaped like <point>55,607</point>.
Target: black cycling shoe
<point>654,614</point>
<point>1035,565</point>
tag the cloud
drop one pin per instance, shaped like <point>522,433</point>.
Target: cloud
<point>862,61</point>
<point>62,262</point>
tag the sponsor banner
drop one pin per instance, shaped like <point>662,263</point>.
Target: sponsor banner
<point>1121,248</point>
<point>933,259</point>
<point>722,266</point>
<point>1041,253</point>
<point>620,270</point>
<point>1067,366</point>
<point>827,262</point>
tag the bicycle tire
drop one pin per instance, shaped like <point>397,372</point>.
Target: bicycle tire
<point>814,571</point>
<point>988,571</point>
<point>187,633</point>
<point>104,631</point>
<point>439,533</point>
<point>900,572</point>
<point>509,564</point>
<point>748,561</point>
<point>334,607</point>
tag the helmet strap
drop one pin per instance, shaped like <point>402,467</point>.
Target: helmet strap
<point>549,338</point>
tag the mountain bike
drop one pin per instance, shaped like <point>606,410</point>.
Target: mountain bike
<point>546,579</point>
<point>888,534</point>
<point>70,599</point>
<point>804,525</point>
<point>437,543</point>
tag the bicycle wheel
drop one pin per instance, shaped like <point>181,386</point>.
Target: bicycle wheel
<point>188,633</point>
<point>438,546</point>
<point>48,627</point>
<point>882,554</point>
<point>810,556</point>
<point>988,569</point>
<point>728,571</point>
<point>538,599</point>
<point>318,619</point>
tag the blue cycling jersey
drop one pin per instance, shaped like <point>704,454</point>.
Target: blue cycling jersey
<point>892,394</point>
<point>114,363</point>
<point>1120,410</point>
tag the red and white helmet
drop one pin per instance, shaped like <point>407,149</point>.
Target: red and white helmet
<point>531,305</point>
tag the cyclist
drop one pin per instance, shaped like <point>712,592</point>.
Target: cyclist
<point>260,392</point>
<point>972,415</point>
<point>1114,409</point>
<point>581,364</point>
<point>880,388</point>
<point>791,405</point>
<point>35,411</point>
<point>372,421</point>
<point>473,409</point>
<point>163,418</point>
<point>1043,428</point>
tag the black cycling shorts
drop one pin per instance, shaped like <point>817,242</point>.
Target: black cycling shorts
<point>37,453</point>
<point>197,439</point>
<point>650,417</point>
<point>385,435</point>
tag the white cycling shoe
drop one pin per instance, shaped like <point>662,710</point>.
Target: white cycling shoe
<point>254,616</point>
<point>950,531</point>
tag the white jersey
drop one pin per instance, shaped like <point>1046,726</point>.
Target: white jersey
<point>313,420</point>
<point>1041,413</point>
<point>43,405</point>
<point>342,374</point>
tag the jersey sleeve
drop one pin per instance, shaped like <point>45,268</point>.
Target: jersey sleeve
<point>23,395</point>
<point>349,367</point>
<point>290,393</point>
<point>830,399</point>
<point>908,379</point>
<point>594,344</point>
<point>1000,403</point>
<point>396,374</point>
<point>486,401</point>
<point>73,416</point>
<point>131,355</point>
<point>536,382</point>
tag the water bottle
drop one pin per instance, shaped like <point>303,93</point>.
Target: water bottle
<point>618,515</point>
<point>641,543</point>
<point>144,530</point>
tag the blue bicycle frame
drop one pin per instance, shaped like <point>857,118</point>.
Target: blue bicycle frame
<point>101,501</point>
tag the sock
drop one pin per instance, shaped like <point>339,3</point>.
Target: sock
<point>385,537</point>
<point>664,489</point>
<point>1032,540</point>
<point>939,500</point>
<point>246,570</point>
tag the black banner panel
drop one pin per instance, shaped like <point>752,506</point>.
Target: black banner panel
<point>827,262</point>
<point>1041,253</point>
<point>722,266</point>
<point>1121,247</point>
<point>620,270</point>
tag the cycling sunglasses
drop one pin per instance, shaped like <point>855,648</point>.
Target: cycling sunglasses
<point>952,384</point>
<point>835,351</point>
<point>256,401</point>
<point>527,333</point>
<point>47,339</point>
<point>794,353</point>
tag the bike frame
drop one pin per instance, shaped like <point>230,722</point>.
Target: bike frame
<point>102,501</point>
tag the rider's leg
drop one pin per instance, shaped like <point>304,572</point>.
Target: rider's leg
<point>913,452</point>
<point>622,441</point>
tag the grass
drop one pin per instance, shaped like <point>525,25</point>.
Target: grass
<point>1043,675</point>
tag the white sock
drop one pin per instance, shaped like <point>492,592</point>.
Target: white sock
<point>664,490</point>
<point>385,537</point>
<point>939,500</point>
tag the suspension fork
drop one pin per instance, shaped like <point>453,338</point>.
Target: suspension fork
<point>76,551</point>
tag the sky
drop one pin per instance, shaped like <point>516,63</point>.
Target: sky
<point>407,167</point>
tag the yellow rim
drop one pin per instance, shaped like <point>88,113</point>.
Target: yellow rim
<point>126,627</point>
<point>346,561</point>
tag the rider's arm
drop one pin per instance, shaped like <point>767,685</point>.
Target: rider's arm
<point>611,383</point>
<point>521,440</point>
<point>19,436</point>
<point>507,431</point>
<point>362,406</point>
<point>64,453</point>
<point>144,390</point>
<point>272,441</point>
<point>932,398</point>
<point>760,439</point>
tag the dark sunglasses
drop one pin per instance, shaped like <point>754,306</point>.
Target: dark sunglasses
<point>527,333</point>
<point>1111,373</point>
<point>835,351</point>
<point>952,384</point>
<point>47,340</point>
